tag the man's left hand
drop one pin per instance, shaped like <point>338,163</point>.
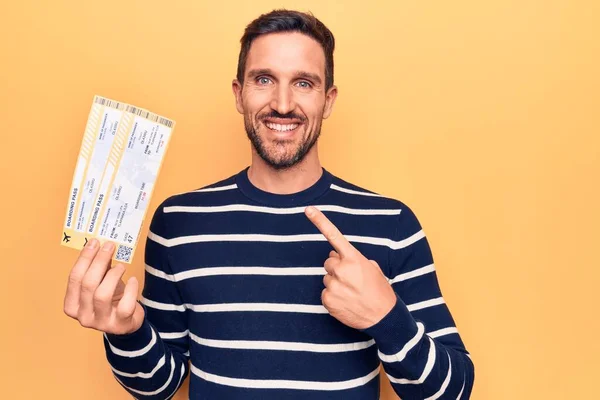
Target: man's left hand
<point>356,291</point>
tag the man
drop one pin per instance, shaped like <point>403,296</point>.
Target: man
<point>250,284</point>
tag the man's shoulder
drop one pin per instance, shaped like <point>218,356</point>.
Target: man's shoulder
<point>360,197</point>
<point>363,194</point>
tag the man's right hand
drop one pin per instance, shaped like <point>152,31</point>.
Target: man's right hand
<point>96,295</point>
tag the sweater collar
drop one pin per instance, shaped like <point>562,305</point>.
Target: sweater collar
<point>305,196</point>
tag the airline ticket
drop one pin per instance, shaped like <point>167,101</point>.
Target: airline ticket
<point>119,160</point>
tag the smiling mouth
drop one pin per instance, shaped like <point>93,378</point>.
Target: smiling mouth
<point>281,127</point>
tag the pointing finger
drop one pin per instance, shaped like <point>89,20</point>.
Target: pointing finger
<point>330,231</point>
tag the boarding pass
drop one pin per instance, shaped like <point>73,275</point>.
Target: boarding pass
<point>119,160</point>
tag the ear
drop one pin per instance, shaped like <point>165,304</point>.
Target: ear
<point>236,86</point>
<point>329,100</point>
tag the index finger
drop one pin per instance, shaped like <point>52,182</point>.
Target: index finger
<point>330,231</point>
<point>86,256</point>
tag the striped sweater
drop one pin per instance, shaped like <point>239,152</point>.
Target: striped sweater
<point>232,288</point>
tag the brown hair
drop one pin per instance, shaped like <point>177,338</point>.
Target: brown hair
<point>288,21</point>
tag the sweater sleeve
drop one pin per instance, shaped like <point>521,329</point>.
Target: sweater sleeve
<point>418,342</point>
<point>152,362</point>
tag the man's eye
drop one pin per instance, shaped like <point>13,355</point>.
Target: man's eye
<point>263,80</point>
<point>304,84</point>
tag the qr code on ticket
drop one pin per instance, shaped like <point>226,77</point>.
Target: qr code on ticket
<point>124,253</point>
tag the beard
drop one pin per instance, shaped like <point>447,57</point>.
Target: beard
<point>281,154</point>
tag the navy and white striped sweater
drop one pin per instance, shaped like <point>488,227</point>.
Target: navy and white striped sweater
<point>232,293</point>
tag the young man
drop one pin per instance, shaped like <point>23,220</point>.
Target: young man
<point>250,284</point>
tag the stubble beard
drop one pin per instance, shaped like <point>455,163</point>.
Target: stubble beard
<point>277,153</point>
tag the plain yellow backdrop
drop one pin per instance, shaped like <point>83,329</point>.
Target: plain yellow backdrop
<point>482,116</point>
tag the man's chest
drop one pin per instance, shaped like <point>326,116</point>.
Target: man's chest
<point>259,291</point>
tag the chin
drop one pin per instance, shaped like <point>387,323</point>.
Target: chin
<point>280,159</point>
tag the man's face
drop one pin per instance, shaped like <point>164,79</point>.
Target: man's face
<point>283,98</point>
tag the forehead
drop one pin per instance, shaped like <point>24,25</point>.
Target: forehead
<point>286,52</point>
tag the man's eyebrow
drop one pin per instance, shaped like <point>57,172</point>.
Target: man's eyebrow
<point>299,74</point>
<point>308,75</point>
<point>256,72</point>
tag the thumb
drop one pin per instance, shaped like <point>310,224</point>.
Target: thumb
<point>128,302</point>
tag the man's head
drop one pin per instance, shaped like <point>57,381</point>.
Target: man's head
<point>284,85</point>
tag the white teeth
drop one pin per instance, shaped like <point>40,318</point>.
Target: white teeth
<point>281,128</point>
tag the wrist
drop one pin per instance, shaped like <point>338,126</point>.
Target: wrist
<point>385,305</point>
<point>133,340</point>
<point>395,328</point>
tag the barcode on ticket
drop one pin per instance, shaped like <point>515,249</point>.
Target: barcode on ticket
<point>108,102</point>
<point>149,115</point>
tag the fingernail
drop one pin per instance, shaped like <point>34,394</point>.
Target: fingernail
<point>310,211</point>
<point>92,244</point>
<point>108,246</point>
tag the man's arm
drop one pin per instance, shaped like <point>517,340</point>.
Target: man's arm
<point>148,351</point>
<point>419,344</point>
<point>152,362</point>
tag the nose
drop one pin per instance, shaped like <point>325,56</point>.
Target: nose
<point>283,100</point>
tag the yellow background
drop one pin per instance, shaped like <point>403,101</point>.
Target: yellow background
<point>483,116</point>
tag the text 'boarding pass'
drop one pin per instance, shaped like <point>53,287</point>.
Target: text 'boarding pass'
<point>119,160</point>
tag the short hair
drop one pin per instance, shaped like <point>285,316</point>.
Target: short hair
<point>282,20</point>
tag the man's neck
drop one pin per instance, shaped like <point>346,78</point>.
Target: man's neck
<point>287,181</point>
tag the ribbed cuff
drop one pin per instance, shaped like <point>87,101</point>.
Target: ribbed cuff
<point>395,329</point>
<point>132,341</point>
